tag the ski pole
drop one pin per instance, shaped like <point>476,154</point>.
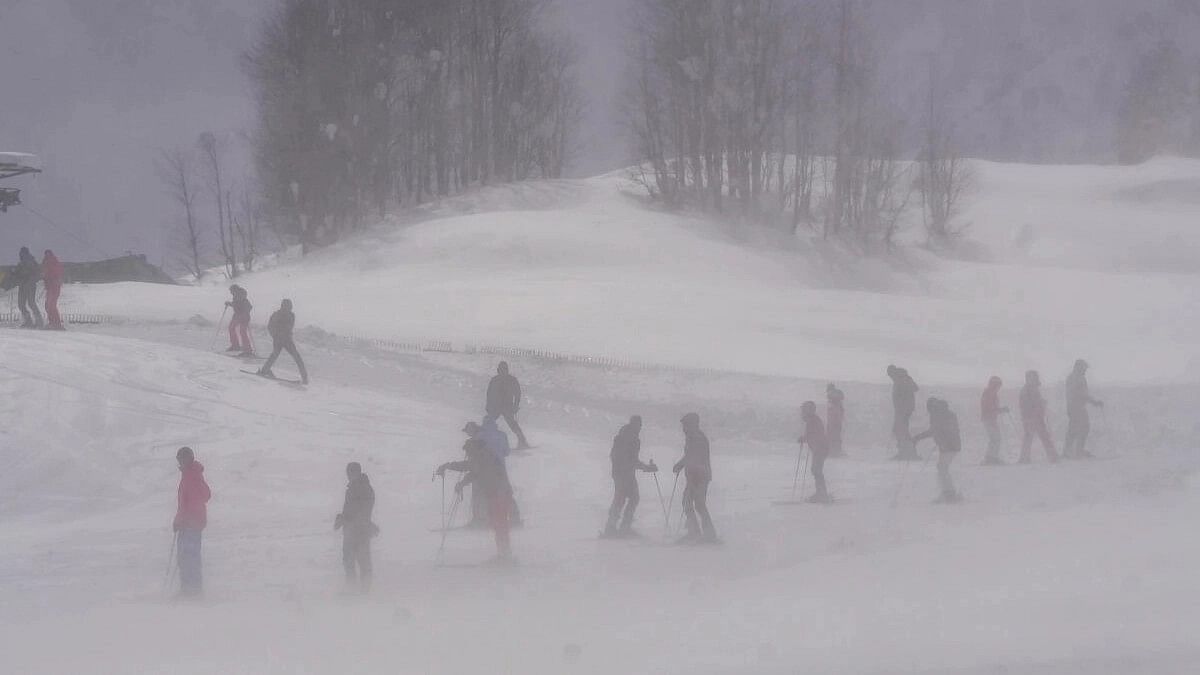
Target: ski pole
<point>170,563</point>
<point>446,528</point>
<point>443,499</point>
<point>658,487</point>
<point>217,334</point>
<point>900,486</point>
<point>671,503</point>
<point>804,479</point>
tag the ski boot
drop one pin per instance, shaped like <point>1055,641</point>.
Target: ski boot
<point>266,372</point>
<point>233,348</point>
<point>992,460</point>
<point>820,498</point>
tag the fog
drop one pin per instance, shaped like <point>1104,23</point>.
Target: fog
<point>818,337</point>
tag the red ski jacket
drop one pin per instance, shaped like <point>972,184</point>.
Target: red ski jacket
<point>52,270</point>
<point>194,494</point>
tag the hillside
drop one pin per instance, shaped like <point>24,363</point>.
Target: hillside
<point>1080,261</point>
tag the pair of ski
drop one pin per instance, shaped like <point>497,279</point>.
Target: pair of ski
<point>280,380</point>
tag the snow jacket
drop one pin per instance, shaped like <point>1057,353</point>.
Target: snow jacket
<point>904,391</point>
<point>241,303</point>
<point>52,270</point>
<point>943,428</point>
<point>483,470</point>
<point>1078,395</point>
<point>814,435</point>
<point>281,324</point>
<point>989,406</point>
<point>625,448</point>
<point>26,272</point>
<point>494,439</point>
<point>503,395</point>
<point>1033,406</point>
<point>696,462</point>
<point>357,509</point>
<point>192,513</point>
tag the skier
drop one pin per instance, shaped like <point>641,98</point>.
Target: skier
<point>697,469</point>
<point>52,278</point>
<point>504,400</point>
<point>904,402</point>
<point>191,517</point>
<point>835,413</point>
<point>1033,418</point>
<point>990,410</point>
<point>943,428</point>
<point>1078,422</point>
<point>357,529</point>
<point>25,277</point>
<point>625,465</point>
<point>497,441</point>
<point>239,325</point>
<point>484,472</point>
<point>479,505</point>
<point>280,326</point>
<point>818,447</point>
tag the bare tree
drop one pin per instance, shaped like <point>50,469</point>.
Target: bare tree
<point>945,176</point>
<point>177,170</point>
<point>211,151</point>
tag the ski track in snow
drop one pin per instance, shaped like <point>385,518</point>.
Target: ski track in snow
<point>1080,564</point>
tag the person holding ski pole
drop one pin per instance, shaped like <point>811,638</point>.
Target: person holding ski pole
<point>943,429</point>
<point>989,412</point>
<point>239,325</point>
<point>52,278</point>
<point>191,517</point>
<point>479,505</point>
<point>835,414</point>
<point>1033,419</point>
<point>280,326</point>
<point>484,472</point>
<point>904,403</point>
<point>625,465</point>
<point>504,400</point>
<point>25,277</point>
<point>696,466</point>
<point>357,528</point>
<point>818,446</point>
<point>1079,424</point>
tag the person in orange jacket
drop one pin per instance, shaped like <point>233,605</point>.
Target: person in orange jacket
<point>52,278</point>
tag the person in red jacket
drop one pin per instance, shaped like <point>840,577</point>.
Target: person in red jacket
<point>989,412</point>
<point>818,448</point>
<point>190,519</point>
<point>52,277</point>
<point>239,325</point>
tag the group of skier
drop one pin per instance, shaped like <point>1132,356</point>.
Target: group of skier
<point>280,327</point>
<point>25,277</point>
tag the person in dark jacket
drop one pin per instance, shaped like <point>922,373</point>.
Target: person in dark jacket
<point>280,326</point>
<point>191,517</point>
<point>52,278</point>
<point>1079,425</point>
<point>835,415</point>
<point>1033,419</point>
<point>484,472</point>
<point>696,466</point>
<point>989,413</point>
<point>625,465</point>
<point>818,446</point>
<point>904,402</point>
<point>504,400</point>
<point>25,277</point>
<point>943,429</point>
<point>239,325</point>
<point>357,528</point>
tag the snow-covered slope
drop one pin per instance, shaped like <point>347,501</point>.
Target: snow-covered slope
<point>1072,569</point>
<point>1086,261</point>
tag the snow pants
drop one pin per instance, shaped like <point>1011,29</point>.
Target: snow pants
<point>695,501</point>
<point>835,439</point>
<point>1079,425</point>
<point>511,419</point>
<point>995,440</point>
<point>944,480</point>
<point>1037,428</point>
<point>500,523</point>
<point>356,558</point>
<point>27,302</point>
<point>53,291</point>
<point>818,472</point>
<point>289,346</point>
<point>625,501</point>
<point>239,332</point>
<point>901,429</point>
<point>187,554</point>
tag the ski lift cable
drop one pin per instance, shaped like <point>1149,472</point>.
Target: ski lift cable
<point>79,238</point>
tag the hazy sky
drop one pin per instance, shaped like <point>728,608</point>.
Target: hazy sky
<point>97,87</point>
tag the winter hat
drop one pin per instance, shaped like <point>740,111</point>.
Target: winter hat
<point>185,453</point>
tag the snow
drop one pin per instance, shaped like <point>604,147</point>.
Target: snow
<point>1107,269</point>
<point>1075,568</point>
